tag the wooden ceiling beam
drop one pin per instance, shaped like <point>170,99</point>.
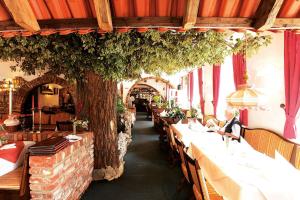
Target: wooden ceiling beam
<point>223,22</point>
<point>103,13</point>
<point>22,14</point>
<point>152,22</point>
<point>266,14</point>
<point>191,13</point>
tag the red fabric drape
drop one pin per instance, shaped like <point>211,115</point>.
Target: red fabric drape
<point>216,86</point>
<point>200,83</point>
<point>191,87</point>
<point>239,69</point>
<point>292,81</point>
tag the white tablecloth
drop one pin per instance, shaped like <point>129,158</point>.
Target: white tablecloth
<point>239,172</point>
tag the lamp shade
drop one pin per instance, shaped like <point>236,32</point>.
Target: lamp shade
<point>244,97</point>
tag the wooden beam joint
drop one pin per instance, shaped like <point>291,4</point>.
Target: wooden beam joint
<point>191,14</point>
<point>266,14</point>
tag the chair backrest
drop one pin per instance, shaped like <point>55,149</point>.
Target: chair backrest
<point>24,185</point>
<point>202,181</point>
<point>266,141</point>
<point>169,137</point>
<point>182,150</point>
<point>193,169</point>
<point>180,147</point>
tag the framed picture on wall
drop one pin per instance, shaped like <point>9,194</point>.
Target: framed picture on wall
<point>45,89</point>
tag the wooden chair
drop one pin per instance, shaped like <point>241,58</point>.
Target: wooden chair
<point>183,164</point>
<point>15,185</point>
<point>173,150</point>
<point>201,188</point>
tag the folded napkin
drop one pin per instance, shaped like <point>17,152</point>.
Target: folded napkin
<point>8,146</point>
<point>163,113</point>
<point>73,138</point>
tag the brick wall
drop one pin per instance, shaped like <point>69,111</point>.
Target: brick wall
<point>20,95</point>
<point>65,175</point>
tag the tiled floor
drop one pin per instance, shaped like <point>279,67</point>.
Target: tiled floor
<point>147,176</point>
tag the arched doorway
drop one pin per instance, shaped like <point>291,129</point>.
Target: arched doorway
<point>141,95</point>
<point>51,96</point>
<point>156,86</point>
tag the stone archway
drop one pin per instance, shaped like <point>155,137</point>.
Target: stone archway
<point>135,85</point>
<point>144,81</point>
<point>26,86</point>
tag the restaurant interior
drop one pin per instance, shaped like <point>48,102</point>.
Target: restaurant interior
<point>150,99</point>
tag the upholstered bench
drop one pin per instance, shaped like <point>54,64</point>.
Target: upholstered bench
<point>267,142</point>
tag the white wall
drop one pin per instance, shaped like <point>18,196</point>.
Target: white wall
<point>266,72</point>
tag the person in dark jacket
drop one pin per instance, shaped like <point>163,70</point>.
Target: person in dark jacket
<point>232,128</point>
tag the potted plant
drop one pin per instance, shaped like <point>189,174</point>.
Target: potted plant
<point>175,115</point>
<point>79,123</point>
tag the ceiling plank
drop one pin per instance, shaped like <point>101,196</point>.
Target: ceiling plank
<point>191,13</point>
<point>152,22</point>
<point>23,14</point>
<point>266,13</point>
<point>103,13</point>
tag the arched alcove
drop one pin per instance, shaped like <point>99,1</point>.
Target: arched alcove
<point>26,87</point>
<point>159,84</point>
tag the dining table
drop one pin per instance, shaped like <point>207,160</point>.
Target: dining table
<point>235,169</point>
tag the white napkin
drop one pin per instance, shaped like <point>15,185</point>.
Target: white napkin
<point>8,146</point>
<point>73,138</point>
<point>163,113</point>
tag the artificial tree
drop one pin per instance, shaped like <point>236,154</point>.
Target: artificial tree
<point>96,62</point>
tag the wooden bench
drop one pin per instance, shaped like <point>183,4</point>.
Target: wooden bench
<point>267,142</point>
<point>15,184</point>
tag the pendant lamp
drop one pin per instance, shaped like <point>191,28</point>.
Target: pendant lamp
<point>245,97</point>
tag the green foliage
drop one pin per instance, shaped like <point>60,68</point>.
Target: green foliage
<point>249,44</point>
<point>176,112</point>
<point>122,56</point>
<point>156,99</point>
<point>120,106</point>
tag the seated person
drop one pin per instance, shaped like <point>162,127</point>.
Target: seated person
<point>232,128</point>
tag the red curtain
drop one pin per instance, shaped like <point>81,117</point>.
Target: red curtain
<point>292,81</point>
<point>239,69</point>
<point>191,87</point>
<point>200,83</point>
<point>216,86</point>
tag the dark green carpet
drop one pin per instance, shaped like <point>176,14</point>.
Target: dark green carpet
<point>147,176</point>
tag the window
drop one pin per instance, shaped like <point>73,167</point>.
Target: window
<point>226,86</point>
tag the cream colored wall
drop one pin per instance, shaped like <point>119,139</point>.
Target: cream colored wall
<point>49,100</point>
<point>5,72</point>
<point>266,72</point>
<point>159,86</point>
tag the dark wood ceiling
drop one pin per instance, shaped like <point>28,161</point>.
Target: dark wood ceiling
<point>66,16</point>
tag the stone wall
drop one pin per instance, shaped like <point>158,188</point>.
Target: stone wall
<point>65,175</point>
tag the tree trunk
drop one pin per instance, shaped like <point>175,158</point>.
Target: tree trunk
<point>96,101</point>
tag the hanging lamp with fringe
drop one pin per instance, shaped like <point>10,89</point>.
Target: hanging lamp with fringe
<point>245,97</point>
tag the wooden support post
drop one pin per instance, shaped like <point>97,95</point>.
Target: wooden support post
<point>191,13</point>
<point>103,13</point>
<point>23,14</point>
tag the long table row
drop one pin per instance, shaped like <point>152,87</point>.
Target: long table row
<point>236,170</point>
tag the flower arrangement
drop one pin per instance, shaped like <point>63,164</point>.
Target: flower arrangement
<point>176,112</point>
<point>80,123</point>
<point>3,140</point>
